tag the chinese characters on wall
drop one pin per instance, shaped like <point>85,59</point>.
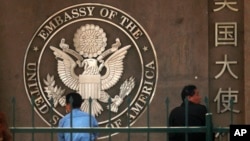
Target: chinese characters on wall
<point>226,70</point>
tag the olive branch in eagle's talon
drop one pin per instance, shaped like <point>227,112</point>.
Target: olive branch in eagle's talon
<point>125,90</point>
<point>55,93</point>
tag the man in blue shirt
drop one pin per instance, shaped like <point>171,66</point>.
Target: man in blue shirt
<point>79,119</point>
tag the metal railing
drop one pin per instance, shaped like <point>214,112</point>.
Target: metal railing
<point>209,128</point>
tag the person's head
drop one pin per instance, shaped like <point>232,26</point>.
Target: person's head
<point>73,99</point>
<point>191,93</point>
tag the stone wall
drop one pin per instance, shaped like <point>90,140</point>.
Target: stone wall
<point>181,32</point>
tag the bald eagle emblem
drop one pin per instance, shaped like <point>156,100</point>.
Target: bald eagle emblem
<point>91,58</point>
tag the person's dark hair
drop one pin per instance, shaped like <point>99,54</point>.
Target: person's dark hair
<point>76,99</point>
<point>188,90</point>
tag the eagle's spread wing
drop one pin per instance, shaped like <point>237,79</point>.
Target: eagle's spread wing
<point>65,68</point>
<point>114,68</point>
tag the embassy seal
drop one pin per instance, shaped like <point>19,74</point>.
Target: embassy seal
<point>98,51</point>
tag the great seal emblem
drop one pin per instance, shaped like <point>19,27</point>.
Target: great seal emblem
<point>96,50</point>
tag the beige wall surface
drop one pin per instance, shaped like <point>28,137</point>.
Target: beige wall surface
<point>179,31</point>
<point>246,60</point>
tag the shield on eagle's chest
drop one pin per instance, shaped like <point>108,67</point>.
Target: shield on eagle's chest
<point>90,86</point>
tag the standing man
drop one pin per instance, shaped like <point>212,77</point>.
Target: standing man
<point>79,119</point>
<point>196,115</point>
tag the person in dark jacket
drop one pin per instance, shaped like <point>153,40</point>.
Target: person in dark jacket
<point>196,115</point>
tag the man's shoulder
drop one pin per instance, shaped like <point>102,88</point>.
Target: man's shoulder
<point>81,113</point>
<point>65,117</point>
<point>75,113</point>
<point>200,107</point>
<point>177,109</point>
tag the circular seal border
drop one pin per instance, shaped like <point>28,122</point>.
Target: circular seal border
<point>31,73</point>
